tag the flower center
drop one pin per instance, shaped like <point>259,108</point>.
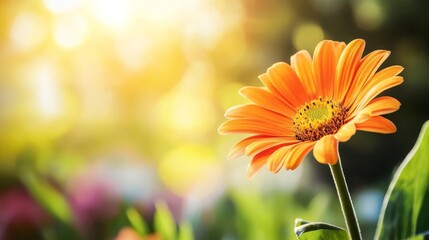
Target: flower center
<point>318,118</point>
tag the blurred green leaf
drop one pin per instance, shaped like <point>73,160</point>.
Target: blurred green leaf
<point>305,230</point>
<point>405,211</point>
<point>53,201</point>
<point>164,222</point>
<point>257,218</point>
<point>420,236</point>
<point>186,232</point>
<point>136,221</point>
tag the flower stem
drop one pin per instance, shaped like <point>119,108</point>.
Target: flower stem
<point>345,201</point>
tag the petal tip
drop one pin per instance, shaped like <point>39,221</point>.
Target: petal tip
<point>251,171</point>
<point>221,130</point>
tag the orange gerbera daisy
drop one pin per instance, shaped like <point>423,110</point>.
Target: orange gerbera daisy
<point>313,103</point>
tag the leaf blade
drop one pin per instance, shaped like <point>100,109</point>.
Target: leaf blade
<point>403,206</point>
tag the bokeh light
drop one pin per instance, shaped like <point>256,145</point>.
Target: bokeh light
<point>28,31</point>
<point>70,31</point>
<point>307,35</point>
<point>369,14</point>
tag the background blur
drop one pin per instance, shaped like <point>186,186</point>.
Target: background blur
<point>111,104</point>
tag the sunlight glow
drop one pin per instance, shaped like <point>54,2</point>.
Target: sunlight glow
<point>183,114</point>
<point>187,109</point>
<point>191,169</point>
<point>28,31</point>
<point>112,13</point>
<point>47,93</point>
<point>133,48</point>
<point>62,6</point>
<point>70,31</point>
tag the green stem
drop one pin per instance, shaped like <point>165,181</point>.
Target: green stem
<point>345,201</point>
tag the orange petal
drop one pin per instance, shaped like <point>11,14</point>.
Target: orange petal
<point>261,127</point>
<point>325,59</point>
<point>297,153</point>
<point>258,161</point>
<point>383,105</point>
<point>256,112</point>
<point>378,88</point>
<point>345,132</point>
<point>266,80</point>
<point>367,68</point>
<point>377,124</point>
<point>239,148</point>
<point>382,75</point>
<point>326,150</point>
<point>301,62</point>
<point>277,159</point>
<point>266,143</point>
<point>266,99</point>
<point>346,68</point>
<point>388,72</point>
<point>287,83</point>
<point>362,116</point>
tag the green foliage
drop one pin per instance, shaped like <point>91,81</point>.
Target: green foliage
<point>305,230</point>
<point>164,222</point>
<point>136,221</point>
<point>251,215</point>
<point>185,232</point>
<point>405,210</point>
<point>166,226</point>
<point>52,200</point>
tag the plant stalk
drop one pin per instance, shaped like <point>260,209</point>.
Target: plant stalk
<point>345,201</point>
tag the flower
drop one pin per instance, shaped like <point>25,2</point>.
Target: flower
<point>313,104</point>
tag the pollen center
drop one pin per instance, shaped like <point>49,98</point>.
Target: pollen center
<point>318,118</point>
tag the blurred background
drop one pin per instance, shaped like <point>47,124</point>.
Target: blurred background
<point>107,105</point>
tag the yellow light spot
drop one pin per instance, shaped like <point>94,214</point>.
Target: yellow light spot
<point>62,6</point>
<point>190,169</point>
<point>188,109</point>
<point>112,13</point>
<point>369,14</point>
<point>48,96</point>
<point>307,35</point>
<point>70,32</point>
<point>133,48</point>
<point>28,31</point>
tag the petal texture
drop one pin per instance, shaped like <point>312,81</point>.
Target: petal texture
<point>287,84</point>
<point>326,150</point>
<point>302,63</point>
<point>325,62</point>
<point>377,124</point>
<point>297,153</point>
<point>346,68</point>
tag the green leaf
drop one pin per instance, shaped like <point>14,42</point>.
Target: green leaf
<point>164,222</point>
<point>137,221</point>
<point>53,201</point>
<point>185,232</point>
<point>405,210</point>
<point>305,230</point>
